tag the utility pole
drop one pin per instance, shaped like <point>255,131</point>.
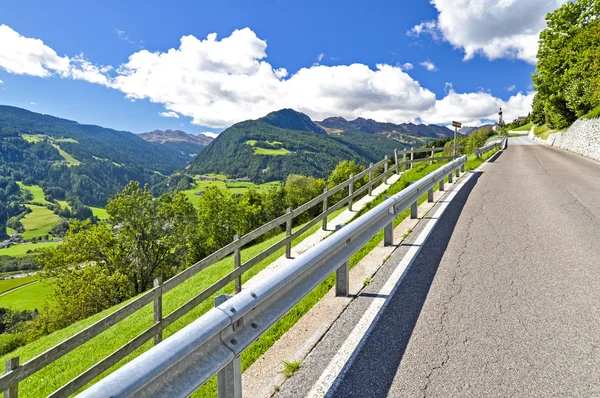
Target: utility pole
<point>456,125</point>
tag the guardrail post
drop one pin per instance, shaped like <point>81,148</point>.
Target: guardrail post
<point>13,391</point>
<point>370,178</point>
<point>430,196</point>
<point>237,263</point>
<point>342,276</point>
<point>432,154</point>
<point>229,379</point>
<point>288,232</point>
<point>158,309</point>
<point>385,169</point>
<point>412,156</point>
<point>350,191</point>
<point>442,185</point>
<point>388,232</point>
<point>396,161</point>
<point>404,160</point>
<point>450,178</point>
<point>462,168</point>
<point>325,209</point>
<point>457,173</point>
<point>414,210</point>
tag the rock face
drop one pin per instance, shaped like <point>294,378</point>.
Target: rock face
<point>583,137</point>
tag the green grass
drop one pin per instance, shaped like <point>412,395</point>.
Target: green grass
<point>64,204</point>
<point>289,368</point>
<point>34,137</point>
<point>13,283</point>
<point>232,188</point>
<point>36,191</point>
<point>71,140</point>
<point>267,151</point>
<point>99,212</point>
<point>29,298</point>
<point>21,249</point>
<point>219,176</point>
<point>543,132</point>
<point>71,161</point>
<point>10,231</point>
<point>593,113</point>
<point>39,222</point>
<point>526,127</point>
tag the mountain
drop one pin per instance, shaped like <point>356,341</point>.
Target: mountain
<point>286,142</point>
<point>187,146</point>
<point>408,133</point>
<point>467,130</point>
<point>77,161</point>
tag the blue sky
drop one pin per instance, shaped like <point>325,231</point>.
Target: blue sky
<point>483,64</point>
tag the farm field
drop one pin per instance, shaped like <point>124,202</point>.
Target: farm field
<point>232,188</point>
<point>9,284</point>
<point>36,191</point>
<point>99,212</point>
<point>30,297</point>
<point>21,250</point>
<point>69,159</point>
<point>39,222</point>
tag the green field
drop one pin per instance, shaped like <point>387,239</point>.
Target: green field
<point>69,159</point>
<point>64,204</point>
<point>34,137</point>
<point>267,151</point>
<point>526,127</point>
<point>9,284</point>
<point>39,222</point>
<point>231,188</point>
<point>21,250</point>
<point>36,191</point>
<point>29,298</point>
<point>99,212</point>
<point>10,231</point>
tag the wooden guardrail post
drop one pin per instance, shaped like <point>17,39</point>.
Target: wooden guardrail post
<point>11,365</point>
<point>412,156</point>
<point>370,179</point>
<point>342,276</point>
<point>237,263</point>
<point>385,170</point>
<point>432,154</point>
<point>404,160</point>
<point>288,232</point>
<point>158,308</point>
<point>325,209</point>
<point>396,161</point>
<point>350,191</point>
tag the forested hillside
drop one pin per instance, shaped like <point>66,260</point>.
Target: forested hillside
<point>567,77</point>
<point>185,146</point>
<point>283,143</point>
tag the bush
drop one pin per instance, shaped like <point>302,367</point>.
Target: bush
<point>10,342</point>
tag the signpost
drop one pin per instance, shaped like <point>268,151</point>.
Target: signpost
<point>456,125</point>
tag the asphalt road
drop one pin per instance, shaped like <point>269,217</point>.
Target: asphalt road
<point>502,301</point>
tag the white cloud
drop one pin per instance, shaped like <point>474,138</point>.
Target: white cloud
<point>407,66</point>
<point>169,114</point>
<point>32,103</point>
<point>1,82</point>
<point>497,29</point>
<point>210,134</point>
<point>221,82</point>
<point>320,57</point>
<point>511,88</point>
<point>430,66</point>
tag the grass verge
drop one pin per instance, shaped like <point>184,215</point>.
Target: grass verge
<point>13,283</point>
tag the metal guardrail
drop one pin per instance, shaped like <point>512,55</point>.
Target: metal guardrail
<point>212,344</point>
<point>502,143</point>
<point>15,373</point>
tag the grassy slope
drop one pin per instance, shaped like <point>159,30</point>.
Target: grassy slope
<point>79,360</point>
<point>39,222</point>
<point>593,113</point>
<point>27,298</point>
<point>526,127</point>
<point>9,284</point>
<point>69,159</point>
<point>22,249</point>
<point>10,231</point>
<point>543,132</point>
<point>99,212</point>
<point>232,188</point>
<point>36,191</point>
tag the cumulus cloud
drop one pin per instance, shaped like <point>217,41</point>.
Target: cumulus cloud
<point>407,66</point>
<point>496,29</point>
<point>511,88</point>
<point>430,66</point>
<point>32,103</point>
<point>218,82</point>
<point>1,82</point>
<point>210,134</point>
<point>169,114</point>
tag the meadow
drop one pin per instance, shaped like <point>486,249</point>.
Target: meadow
<point>21,250</point>
<point>28,298</point>
<point>13,283</point>
<point>39,222</point>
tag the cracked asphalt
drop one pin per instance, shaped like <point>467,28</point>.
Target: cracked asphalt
<point>502,301</point>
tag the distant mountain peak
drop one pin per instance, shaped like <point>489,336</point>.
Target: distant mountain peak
<point>290,119</point>
<point>162,136</point>
<point>398,131</point>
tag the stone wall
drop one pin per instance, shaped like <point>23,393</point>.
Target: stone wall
<point>583,137</point>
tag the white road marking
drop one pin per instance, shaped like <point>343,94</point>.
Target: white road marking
<point>351,344</point>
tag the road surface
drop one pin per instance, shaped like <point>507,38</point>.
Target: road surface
<point>503,299</point>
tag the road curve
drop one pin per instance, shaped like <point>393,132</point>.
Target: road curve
<point>503,300</point>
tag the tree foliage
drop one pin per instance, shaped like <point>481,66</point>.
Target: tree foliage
<point>567,77</point>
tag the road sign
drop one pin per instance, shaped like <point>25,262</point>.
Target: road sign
<point>457,124</point>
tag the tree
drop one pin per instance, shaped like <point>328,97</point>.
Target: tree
<point>341,173</point>
<point>217,219</point>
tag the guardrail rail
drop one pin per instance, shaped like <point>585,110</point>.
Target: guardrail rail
<point>212,344</point>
